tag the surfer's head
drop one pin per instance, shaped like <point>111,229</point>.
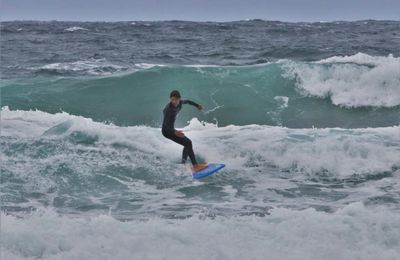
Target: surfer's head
<point>175,97</point>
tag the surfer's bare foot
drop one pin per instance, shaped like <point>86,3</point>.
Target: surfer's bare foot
<point>199,166</point>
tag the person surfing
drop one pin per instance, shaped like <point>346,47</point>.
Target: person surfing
<point>170,112</point>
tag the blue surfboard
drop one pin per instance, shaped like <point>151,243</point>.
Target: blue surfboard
<point>210,169</point>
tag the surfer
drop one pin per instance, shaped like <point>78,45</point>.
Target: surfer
<point>170,111</point>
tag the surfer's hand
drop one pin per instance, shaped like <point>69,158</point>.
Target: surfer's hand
<point>200,107</point>
<point>179,133</point>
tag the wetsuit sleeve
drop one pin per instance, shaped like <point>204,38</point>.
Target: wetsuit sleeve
<point>190,102</point>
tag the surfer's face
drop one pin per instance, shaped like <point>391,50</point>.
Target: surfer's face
<point>175,101</point>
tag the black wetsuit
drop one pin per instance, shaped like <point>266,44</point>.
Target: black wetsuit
<point>168,129</point>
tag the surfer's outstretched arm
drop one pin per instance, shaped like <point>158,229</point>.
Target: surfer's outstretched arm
<point>190,102</point>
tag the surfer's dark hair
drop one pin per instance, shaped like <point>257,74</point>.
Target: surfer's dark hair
<point>175,93</point>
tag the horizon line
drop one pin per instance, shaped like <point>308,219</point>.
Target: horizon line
<point>200,21</point>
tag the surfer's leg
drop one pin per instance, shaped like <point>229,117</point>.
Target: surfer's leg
<point>187,143</point>
<point>185,155</point>
<point>189,149</point>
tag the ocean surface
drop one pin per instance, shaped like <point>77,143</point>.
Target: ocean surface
<point>306,116</point>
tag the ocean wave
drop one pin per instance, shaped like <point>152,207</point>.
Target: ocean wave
<point>353,81</point>
<point>283,93</point>
<point>359,80</point>
<point>353,232</point>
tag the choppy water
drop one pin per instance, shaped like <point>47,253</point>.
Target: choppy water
<point>305,115</point>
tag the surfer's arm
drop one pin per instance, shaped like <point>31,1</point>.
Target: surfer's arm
<point>190,102</point>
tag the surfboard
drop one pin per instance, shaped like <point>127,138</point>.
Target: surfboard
<point>210,169</point>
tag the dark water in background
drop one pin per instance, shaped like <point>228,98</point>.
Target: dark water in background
<point>28,44</point>
<point>305,115</point>
<point>274,73</point>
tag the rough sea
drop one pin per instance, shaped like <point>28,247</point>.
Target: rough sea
<point>306,117</point>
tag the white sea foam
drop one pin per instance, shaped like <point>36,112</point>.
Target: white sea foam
<point>353,232</point>
<point>339,151</point>
<point>350,230</point>
<point>361,59</point>
<point>93,67</point>
<point>283,101</point>
<point>75,28</point>
<point>147,65</point>
<point>97,67</point>
<point>349,81</point>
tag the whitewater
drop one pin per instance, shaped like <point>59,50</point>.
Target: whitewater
<point>309,131</point>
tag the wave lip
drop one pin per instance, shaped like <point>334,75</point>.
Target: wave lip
<point>359,80</point>
<point>360,58</point>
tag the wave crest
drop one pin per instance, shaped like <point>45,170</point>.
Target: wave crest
<point>350,81</point>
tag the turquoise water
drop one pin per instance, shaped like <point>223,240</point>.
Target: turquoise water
<point>267,94</point>
<point>304,115</point>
